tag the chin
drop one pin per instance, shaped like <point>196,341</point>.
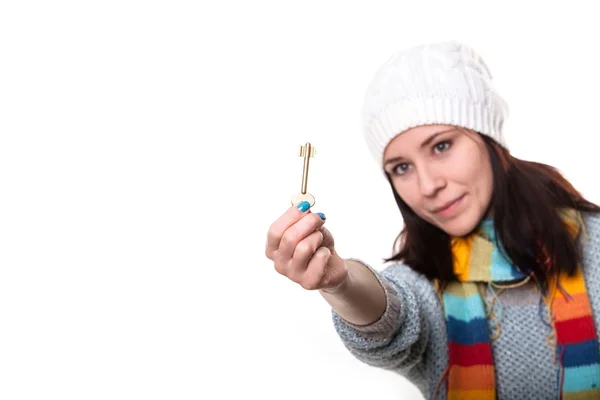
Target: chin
<point>461,226</point>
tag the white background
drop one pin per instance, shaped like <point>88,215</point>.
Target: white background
<point>146,147</point>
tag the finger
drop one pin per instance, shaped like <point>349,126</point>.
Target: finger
<point>316,271</point>
<point>303,252</point>
<point>278,228</point>
<point>296,233</point>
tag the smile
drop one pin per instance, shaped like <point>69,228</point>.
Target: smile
<point>447,209</point>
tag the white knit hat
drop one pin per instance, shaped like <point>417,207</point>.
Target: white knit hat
<point>440,83</point>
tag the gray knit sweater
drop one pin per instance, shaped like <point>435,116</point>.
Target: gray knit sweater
<point>410,338</point>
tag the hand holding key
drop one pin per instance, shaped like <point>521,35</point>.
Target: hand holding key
<point>301,248</point>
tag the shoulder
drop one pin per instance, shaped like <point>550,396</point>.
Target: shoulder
<point>403,275</point>
<point>592,223</point>
<point>592,230</point>
<point>590,247</point>
<point>400,271</point>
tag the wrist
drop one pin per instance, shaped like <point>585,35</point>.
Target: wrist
<point>340,288</point>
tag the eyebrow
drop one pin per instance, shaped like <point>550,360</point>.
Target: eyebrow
<point>424,144</point>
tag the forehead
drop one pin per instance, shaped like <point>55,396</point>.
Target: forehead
<point>412,138</point>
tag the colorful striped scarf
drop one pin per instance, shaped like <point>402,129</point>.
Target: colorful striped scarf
<point>470,370</point>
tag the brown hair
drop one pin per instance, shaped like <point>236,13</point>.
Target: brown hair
<point>525,199</point>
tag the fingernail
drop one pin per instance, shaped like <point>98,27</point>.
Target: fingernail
<point>303,206</point>
<point>322,216</point>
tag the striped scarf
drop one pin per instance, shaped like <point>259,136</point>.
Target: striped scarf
<point>477,260</point>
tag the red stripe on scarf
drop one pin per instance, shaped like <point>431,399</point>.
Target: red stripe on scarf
<point>466,356</point>
<point>575,330</point>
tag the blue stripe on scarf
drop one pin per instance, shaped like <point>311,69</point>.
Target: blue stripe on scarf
<point>475,331</point>
<point>576,354</point>
<point>503,270</point>
<point>463,308</point>
<point>581,378</point>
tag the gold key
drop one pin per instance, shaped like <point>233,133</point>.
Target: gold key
<point>306,151</point>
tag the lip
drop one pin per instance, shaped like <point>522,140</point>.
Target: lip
<point>448,206</point>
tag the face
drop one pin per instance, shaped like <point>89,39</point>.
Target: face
<point>443,174</point>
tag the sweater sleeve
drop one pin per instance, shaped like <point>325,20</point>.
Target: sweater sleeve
<point>397,341</point>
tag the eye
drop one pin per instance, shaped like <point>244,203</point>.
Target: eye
<point>442,146</point>
<point>400,169</point>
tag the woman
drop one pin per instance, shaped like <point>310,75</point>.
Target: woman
<point>494,292</point>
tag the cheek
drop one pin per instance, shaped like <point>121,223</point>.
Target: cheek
<point>408,194</point>
<point>477,171</point>
<point>481,177</point>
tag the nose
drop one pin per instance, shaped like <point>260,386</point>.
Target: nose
<point>431,180</point>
